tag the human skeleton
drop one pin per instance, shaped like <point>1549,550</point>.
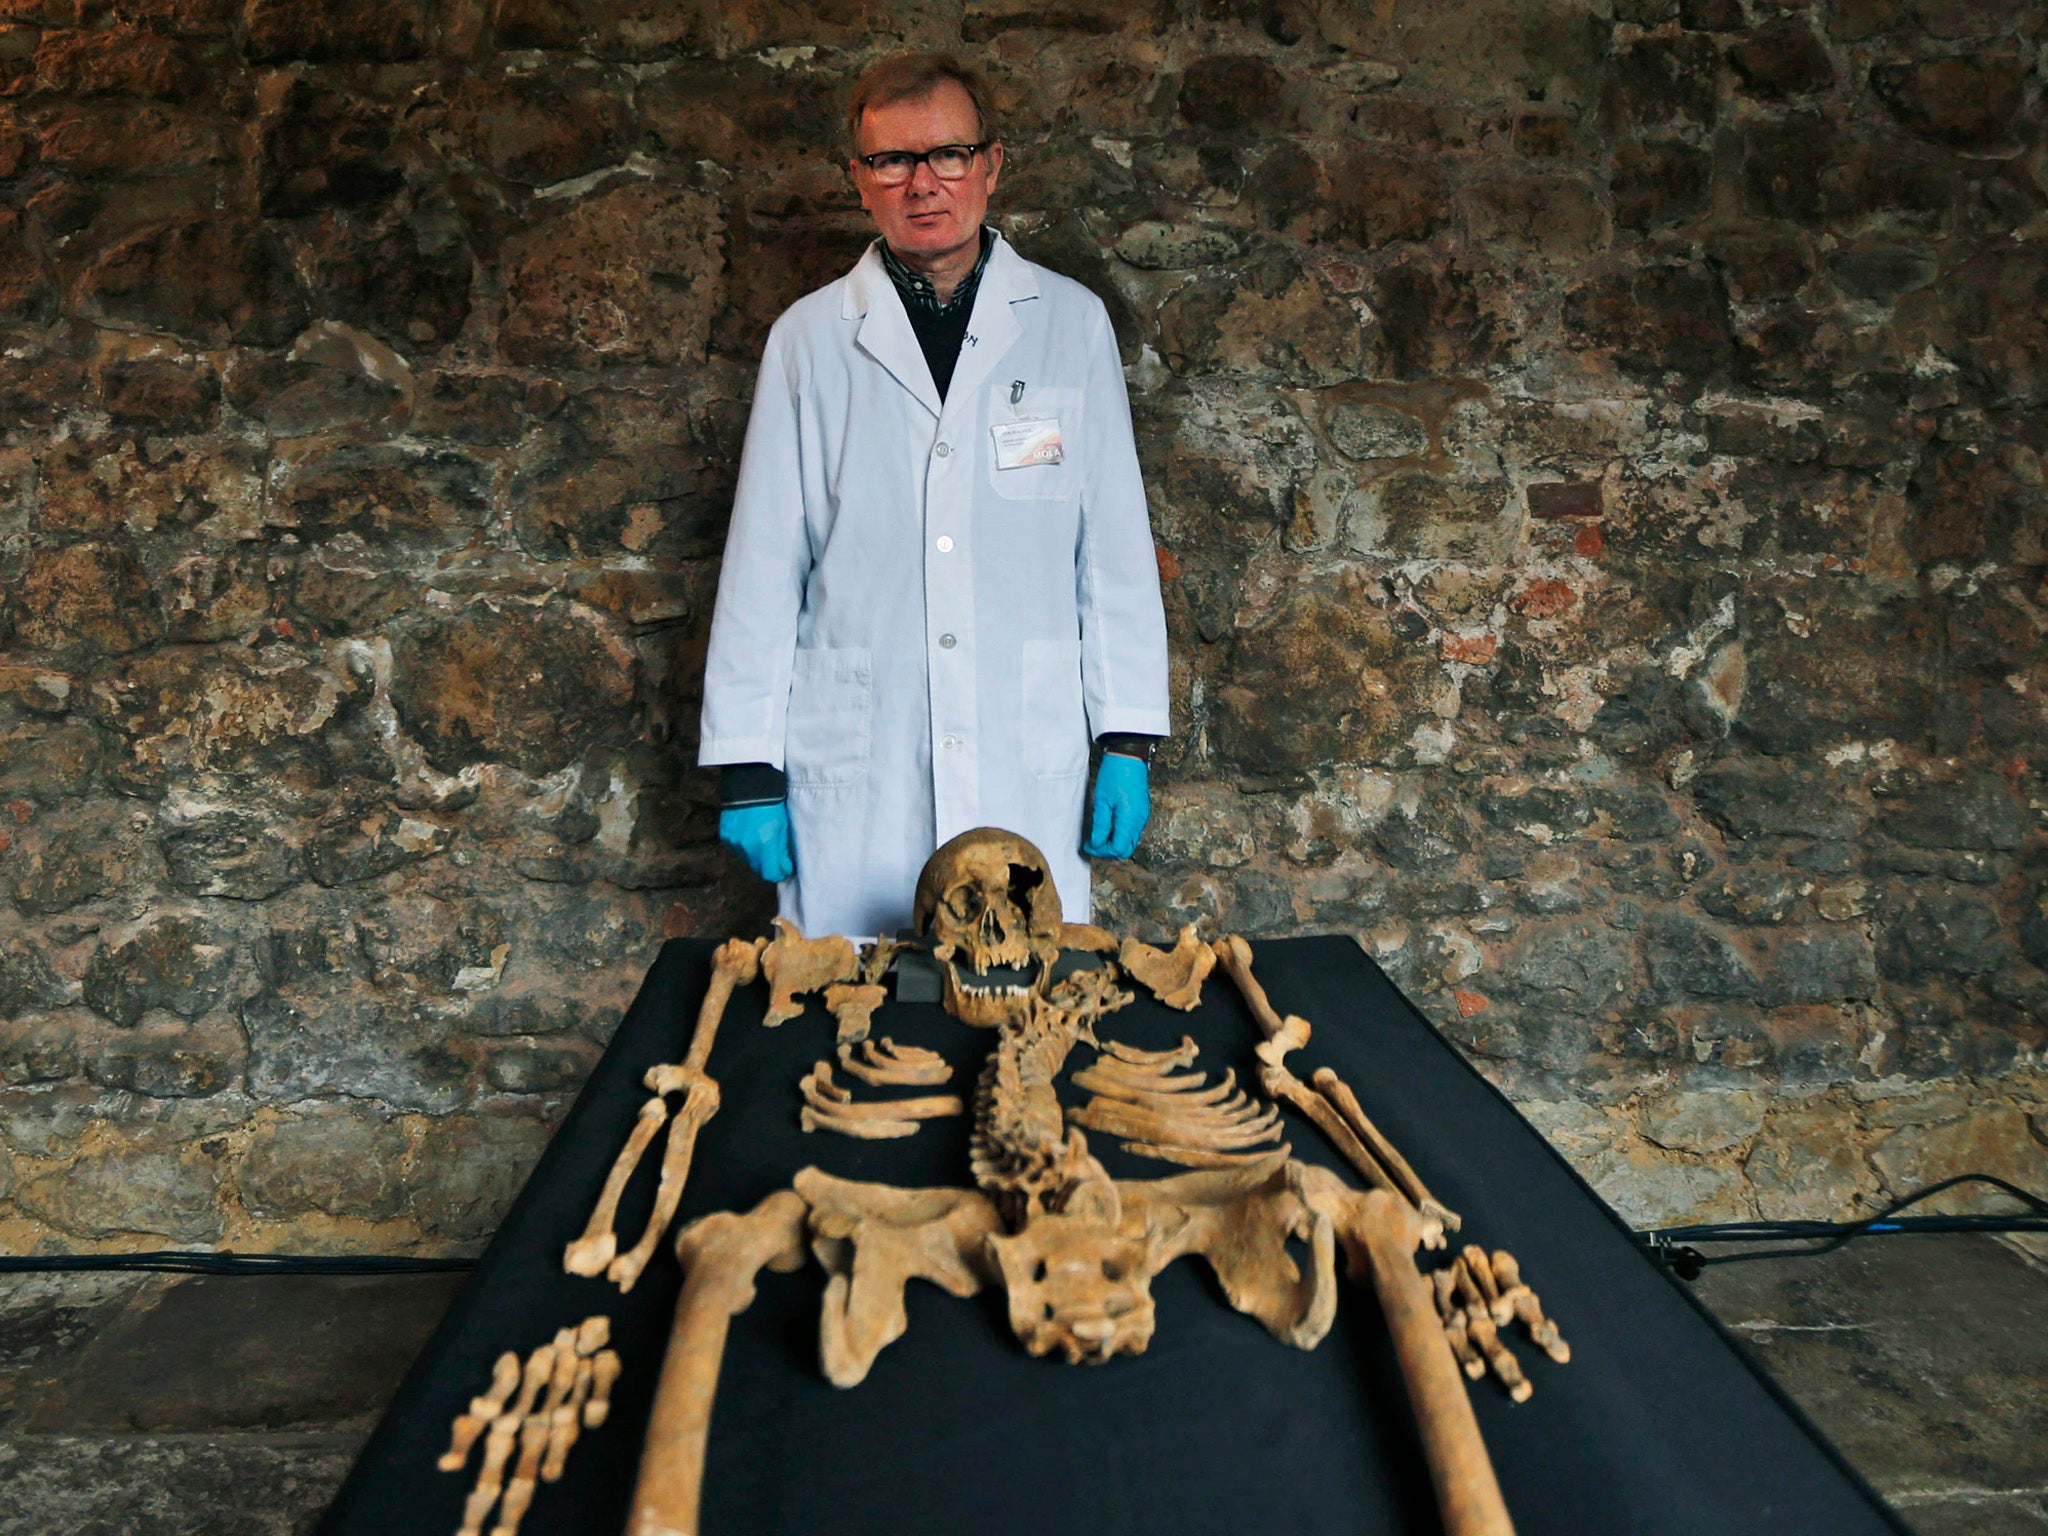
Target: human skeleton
<point>1074,1249</point>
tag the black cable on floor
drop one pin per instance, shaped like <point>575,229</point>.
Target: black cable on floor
<point>229,1263</point>
<point>1673,1245</point>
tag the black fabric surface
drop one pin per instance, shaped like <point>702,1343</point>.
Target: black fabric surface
<point>1657,1425</point>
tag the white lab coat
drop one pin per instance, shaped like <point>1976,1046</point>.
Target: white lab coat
<point>923,642</point>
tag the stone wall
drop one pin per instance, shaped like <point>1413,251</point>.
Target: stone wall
<point>1596,449</point>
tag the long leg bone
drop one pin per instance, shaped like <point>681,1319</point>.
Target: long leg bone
<point>734,963</point>
<point>1338,1092</point>
<point>1382,1231</point>
<point>721,1257</point>
<point>1173,976</point>
<point>1290,1034</point>
<point>1518,1301</point>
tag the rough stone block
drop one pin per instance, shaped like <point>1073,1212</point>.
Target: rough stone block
<point>1230,91</point>
<point>211,849</point>
<point>1968,102</point>
<point>381,30</point>
<point>1703,1122</point>
<point>1271,319</point>
<point>40,1047</point>
<point>1994,1140</point>
<point>1974,810</point>
<point>1328,641</point>
<point>1816,965</point>
<point>210,280</point>
<point>467,1170</point>
<point>85,599</point>
<point>1782,59</point>
<point>533,688</point>
<point>48,764</point>
<point>1807,1165</point>
<point>628,275</point>
<point>79,862</point>
<point>130,1188</point>
<point>179,961</point>
<point>1687,958</point>
<point>355,1046</point>
<point>1931,931</point>
<point>1653,1189</point>
<point>1661,82</point>
<point>165,1057</point>
<point>1436,317</point>
<point>539,1066</point>
<point>340,1160</point>
<point>1654,319</point>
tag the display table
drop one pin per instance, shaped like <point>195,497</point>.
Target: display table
<point>1658,1427</point>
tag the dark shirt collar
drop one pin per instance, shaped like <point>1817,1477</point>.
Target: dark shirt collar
<point>917,290</point>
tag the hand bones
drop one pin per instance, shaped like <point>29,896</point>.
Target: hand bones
<point>564,1386</point>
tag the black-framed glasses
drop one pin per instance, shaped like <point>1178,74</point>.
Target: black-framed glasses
<point>949,162</point>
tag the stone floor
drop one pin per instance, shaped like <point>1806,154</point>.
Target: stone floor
<point>161,1406</point>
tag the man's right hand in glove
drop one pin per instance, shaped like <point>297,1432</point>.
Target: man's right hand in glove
<point>761,834</point>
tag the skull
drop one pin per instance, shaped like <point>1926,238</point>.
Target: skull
<point>987,905</point>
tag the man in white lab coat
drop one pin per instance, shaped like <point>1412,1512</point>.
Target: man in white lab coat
<point>939,584</point>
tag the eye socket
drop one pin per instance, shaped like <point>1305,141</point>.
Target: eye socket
<point>962,902</point>
<point>1023,881</point>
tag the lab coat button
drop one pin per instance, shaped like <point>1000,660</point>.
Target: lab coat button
<point>944,449</point>
<point>949,742</point>
<point>945,545</point>
<point>946,642</point>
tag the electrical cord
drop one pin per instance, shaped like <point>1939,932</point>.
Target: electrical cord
<point>229,1263</point>
<point>1673,1246</point>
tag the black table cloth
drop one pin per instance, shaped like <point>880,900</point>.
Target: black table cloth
<point>1658,1425</point>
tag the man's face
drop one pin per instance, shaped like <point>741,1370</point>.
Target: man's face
<point>926,216</point>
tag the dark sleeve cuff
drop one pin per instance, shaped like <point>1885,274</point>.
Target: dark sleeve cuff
<point>1128,744</point>
<point>750,784</point>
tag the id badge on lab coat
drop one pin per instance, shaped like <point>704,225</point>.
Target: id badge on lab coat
<point>1028,441</point>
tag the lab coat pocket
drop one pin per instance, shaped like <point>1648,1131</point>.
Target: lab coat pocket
<point>831,716</point>
<point>1045,410</point>
<point>1054,718</point>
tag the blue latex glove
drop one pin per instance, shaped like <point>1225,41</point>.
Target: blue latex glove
<point>1123,804</point>
<point>761,833</point>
